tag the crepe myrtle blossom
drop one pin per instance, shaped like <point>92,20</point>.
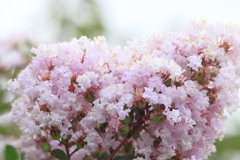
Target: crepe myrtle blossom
<point>14,56</point>
<point>15,51</point>
<point>160,99</point>
<point>11,59</point>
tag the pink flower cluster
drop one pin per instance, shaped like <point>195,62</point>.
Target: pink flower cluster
<point>161,99</point>
<point>14,56</point>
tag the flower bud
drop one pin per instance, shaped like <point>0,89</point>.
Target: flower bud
<point>89,95</point>
<point>46,147</point>
<point>55,133</point>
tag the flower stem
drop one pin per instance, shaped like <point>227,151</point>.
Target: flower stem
<point>74,151</point>
<point>67,151</point>
<point>127,137</point>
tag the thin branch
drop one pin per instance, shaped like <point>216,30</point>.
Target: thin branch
<point>74,151</point>
<point>67,150</point>
<point>128,136</point>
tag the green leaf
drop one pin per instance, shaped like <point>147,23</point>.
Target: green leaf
<point>69,137</point>
<point>63,141</point>
<point>213,75</point>
<point>42,128</point>
<point>138,113</point>
<point>88,96</point>
<point>103,155</point>
<point>102,127</point>
<point>162,107</point>
<point>95,154</point>
<point>46,147</point>
<point>59,154</point>
<point>129,148</point>
<point>76,119</point>
<point>158,119</point>
<point>3,106</point>
<point>199,78</point>
<point>136,136</point>
<point>22,156</point>
<point>55,136</point>
<point>11,129</point>
<point>141,105</point>
<point>11,153</point>
<point>79,146</point>
<point>155,107</point>
<point>124,129</point>
<point>204,89</point>
<point>116,137</point>
<point>125,107</point>
<point>125,157</point>
<point>168,83</point>
<point>126,120</point>
<point>86,157</point>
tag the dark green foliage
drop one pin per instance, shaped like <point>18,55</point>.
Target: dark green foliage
<point>89,97</point>
<point>102,127</point>
<point>141,105</point>
<point>126,120</point>
<point>3,106</point>
<point>103,155</point>
<point>11,153</point>
<point>46,147</point>
<point>22,156</point>
<point>136,136</point>
<point>129,148</point>
<point>55,136</point>
<point>123,129</point>
<point>138,113</point>
<point>200,78</point>
<point>125,157</point>
<point>158,119</point>
<point>59,154</point>
<point>213,75</point>
<point>227,147</point>
<point>86,158</point>
<point>95,154</point>
<point>168,83</point>
<point>79,146</point>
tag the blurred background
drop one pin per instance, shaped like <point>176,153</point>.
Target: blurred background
<point>27,23</point>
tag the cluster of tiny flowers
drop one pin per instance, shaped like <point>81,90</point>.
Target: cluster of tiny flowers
<point>161,99</point>
<point>10,59</point>
<point>14,56</point>
<point>15,51</point>
<point>10,54</point>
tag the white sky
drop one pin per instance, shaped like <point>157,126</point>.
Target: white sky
<point>22,15</point>
<point>141,17</point>
<point>125,18</point>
